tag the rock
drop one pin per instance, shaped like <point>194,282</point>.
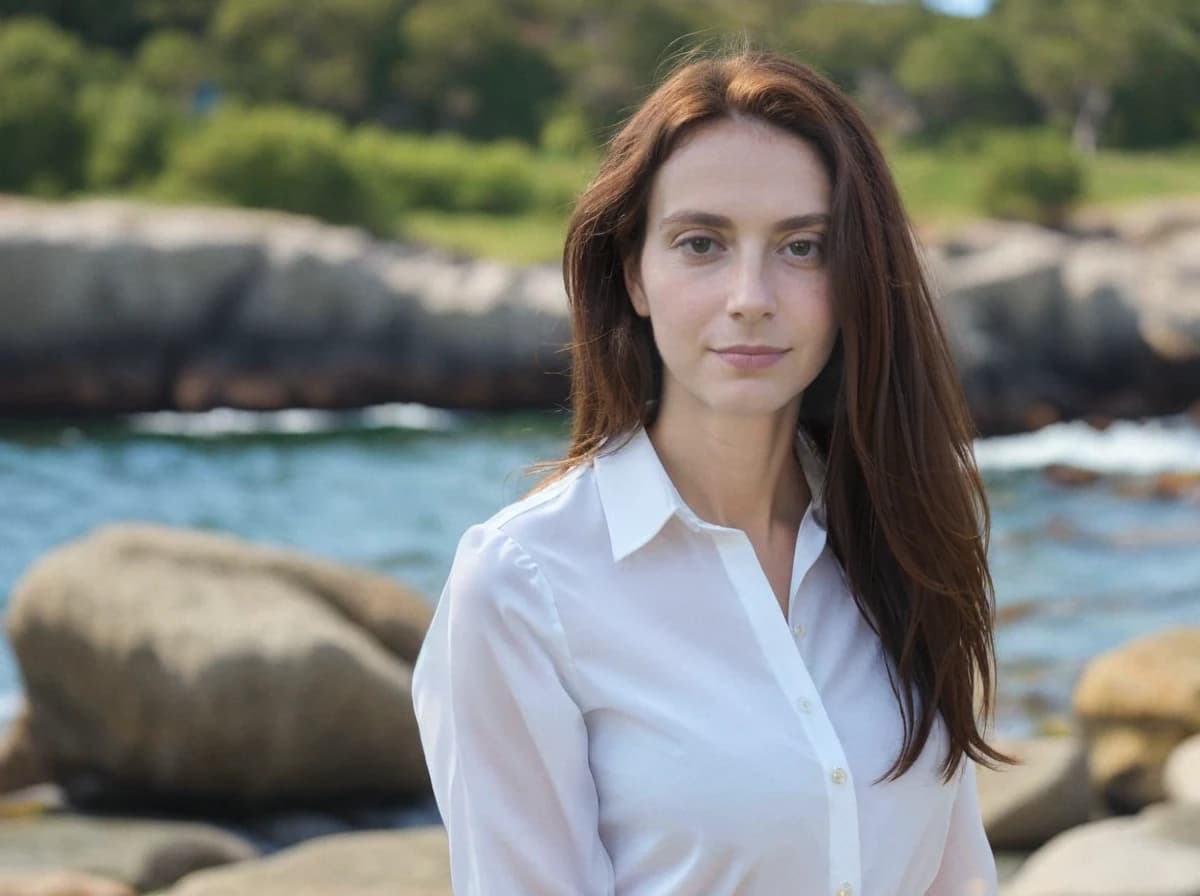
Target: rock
<point>141,853</point>
<point>1181,776</point>
<point>21,765</point>
<point>1025,805</point>
<point>1177,486</point>
<point>1156,853</point>
<point>208,671</point>
<point>125,306</point>
<point>413,862</point>
<point>28,802</point>
<point>1067,475</point>
<point>1134,705</point>
<point>1148,221</point>
<point>60,883</point>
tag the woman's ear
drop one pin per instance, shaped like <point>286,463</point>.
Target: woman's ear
<point>633,286</point>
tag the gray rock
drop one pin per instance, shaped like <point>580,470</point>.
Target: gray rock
<point>124,306</point>
<point>1181,775</point>
<point>176,668</point>
<point>142,853</point>
<point>1135,704</point>
<point>1025,805</point>
<point>413,862</point>
<point>60,883</point>
<point>1156,853</point>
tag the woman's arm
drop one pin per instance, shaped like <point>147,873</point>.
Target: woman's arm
<point>968,867</point>
<point>504,739</point>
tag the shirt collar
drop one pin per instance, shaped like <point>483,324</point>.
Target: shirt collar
<point>638,496</point>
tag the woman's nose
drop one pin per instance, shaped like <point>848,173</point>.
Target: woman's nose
<point>750,295</point>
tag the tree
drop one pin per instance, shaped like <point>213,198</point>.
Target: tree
<point>849,38</point>
<point>1071,54</point>
<point>478,68</point>
<point>962,71</point>
<point>333,55</point>
<point>42,69</point>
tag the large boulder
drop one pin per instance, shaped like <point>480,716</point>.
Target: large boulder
<point>1025,805</point>
<point>1135,704</point>
<point>1181,776</point>
<point>173,667</point>
<point>1156,853</point>
<point>412,862</point>
<point>146,854</point>
<point>20,764</point>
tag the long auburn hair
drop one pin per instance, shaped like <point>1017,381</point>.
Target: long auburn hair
<point>906,510</point>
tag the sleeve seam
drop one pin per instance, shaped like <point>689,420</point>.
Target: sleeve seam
<point>571,669</point>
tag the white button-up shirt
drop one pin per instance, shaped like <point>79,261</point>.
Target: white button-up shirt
<point>611,702</point>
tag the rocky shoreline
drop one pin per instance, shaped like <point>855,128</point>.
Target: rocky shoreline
<point>206,716</point>
<point>115,306</point>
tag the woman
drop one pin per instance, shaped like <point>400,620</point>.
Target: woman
<point>733,644</point>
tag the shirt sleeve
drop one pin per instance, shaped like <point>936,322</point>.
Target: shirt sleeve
<point>503,736</point>
<point>968,866</point>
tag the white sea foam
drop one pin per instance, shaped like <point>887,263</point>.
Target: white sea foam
<point>296,421</point>
<point>1155,446</point>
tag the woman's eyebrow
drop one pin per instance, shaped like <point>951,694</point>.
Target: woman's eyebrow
<point>708,219</point>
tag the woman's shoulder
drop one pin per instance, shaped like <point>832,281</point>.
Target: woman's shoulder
<point>555,518</point>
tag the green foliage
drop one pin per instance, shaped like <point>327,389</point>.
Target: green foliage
<point>109,23</point>
<point>449,174</point>
<point>1157,103</point>
<point>566,134</point>
<point>849,37</point>
<point>333,55</point>
<point>271,157</point>
<point>469,68</point>
<point>174,63</point>
<point>961,70</point>
<point>1034,176</point>
<point>41,70</point>
<point>130,127</point>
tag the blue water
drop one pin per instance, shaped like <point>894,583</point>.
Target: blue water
<point>391,489</point>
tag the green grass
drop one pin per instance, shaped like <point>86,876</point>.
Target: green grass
<point>520,239</point>
<point>938,187</point>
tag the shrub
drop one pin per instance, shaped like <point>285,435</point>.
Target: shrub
<point>129,130</point>
<point>1033,176</point>
<point>444,173</point>
<point>272,157</point>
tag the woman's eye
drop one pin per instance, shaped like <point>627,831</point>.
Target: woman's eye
<point>807,248</point>
<point>699,244</point>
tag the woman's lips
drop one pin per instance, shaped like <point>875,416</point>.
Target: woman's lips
<point>745,360</point>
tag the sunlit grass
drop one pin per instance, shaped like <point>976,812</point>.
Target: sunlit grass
<point>520,239</point>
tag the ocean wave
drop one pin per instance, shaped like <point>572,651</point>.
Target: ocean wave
<point>1167,444</point>
<point>221,422</point>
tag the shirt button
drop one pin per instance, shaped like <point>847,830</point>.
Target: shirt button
<point>798,628</point>
<point>804,703</point>
<point>839,777</point>
<point>843,890</point>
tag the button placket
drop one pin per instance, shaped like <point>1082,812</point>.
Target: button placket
<point>779,649</point>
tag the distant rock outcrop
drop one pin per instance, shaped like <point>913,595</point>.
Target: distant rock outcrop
<point>113,306</point>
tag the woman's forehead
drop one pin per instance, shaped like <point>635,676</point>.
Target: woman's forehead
<point>741,170</point>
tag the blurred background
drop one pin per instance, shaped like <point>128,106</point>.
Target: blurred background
<point>280,284</point>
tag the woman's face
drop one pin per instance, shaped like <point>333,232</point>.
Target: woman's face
<point>734,255</point>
